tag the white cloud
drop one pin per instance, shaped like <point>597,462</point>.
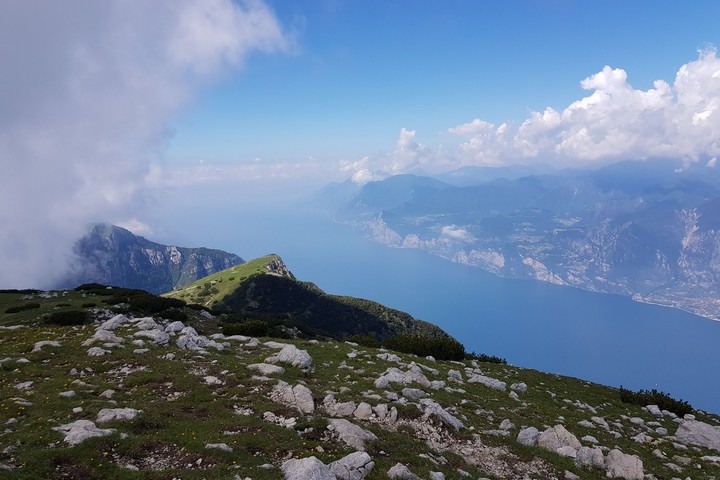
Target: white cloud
<point>614,122</point>
<point>87,88</point>
<point>456,233</point>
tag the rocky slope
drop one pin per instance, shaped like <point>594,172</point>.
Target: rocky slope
<point>131,397</point>
<point>643,230</point>
<point>111,255</point>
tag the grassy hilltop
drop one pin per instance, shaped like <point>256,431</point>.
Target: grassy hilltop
<point>195,404</point>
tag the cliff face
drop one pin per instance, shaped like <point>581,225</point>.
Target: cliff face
<point>655,238</point>
<point>112,255</point>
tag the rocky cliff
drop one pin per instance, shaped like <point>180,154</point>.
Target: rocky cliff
<point>112,255</point>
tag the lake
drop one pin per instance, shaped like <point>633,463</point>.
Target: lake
<point>603,338</point>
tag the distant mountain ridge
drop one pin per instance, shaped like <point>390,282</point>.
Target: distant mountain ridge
<point>650,230</point>
<point>112,255</point>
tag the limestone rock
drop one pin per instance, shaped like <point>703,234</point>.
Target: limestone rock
<point>112,414</point>
<point>590,457</point>
<point>158,337</point>
<point>219,446</point>
<point>80,430</point>
<point>699,433</point>
<point>557,437</point>
<point>489,382</point>
<point>97,352</point>
<point>45,343</point>
<point>299,396</point>
<point>266,368</point>
<point>351,434</point>
<point>352,467</point>
<point>433,408</point>
<point>528,436</point>
<point>291,355</point>
<point>519,387</point>
<point>114,322</point>
<point>621,465</point>
<point>401,472</point>
<point>363,411</point>
<point>306,469</point>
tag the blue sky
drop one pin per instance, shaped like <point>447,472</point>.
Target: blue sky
<point>361,71</point>
<point>112,108</point>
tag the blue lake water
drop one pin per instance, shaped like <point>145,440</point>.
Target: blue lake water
<point>602,338</point>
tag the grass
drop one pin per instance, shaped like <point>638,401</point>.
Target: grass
<point>181,413</point>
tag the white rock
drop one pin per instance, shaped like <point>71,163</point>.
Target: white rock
<point>291,355</point>
<point>97,352</point>
<point>45,343</point>
<point>433,408</point>
<point>80,430</point>
<point>413,393</point>
<point>211,380</point>
<point>299,396</point>
<point>389,357</point>
<point>528,436</point>
<point>519,387</point>
<point>621,465</point>
<point>363,411</point>
<point>506,424</point>
<point>489,382</point>
<point>352,467</point>
<point>107,393</point>
<point>114,322</point>
<point>146,323</point>
<point>266,368</point>
<point>401,472</point>
<point>654,410</point>
<point>591,457</point>
<point>175,327</point>
<point>158,337</point>
<point>557,437</point>
<point>699,433</point>
<point>67,394</point>
<point>219,446</point>
<point>566,451</point>
<point>113,414</point>
<point>351,434</point>
<point>309,468</point>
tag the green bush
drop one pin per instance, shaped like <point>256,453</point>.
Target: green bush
<point>481,357</point>
<point>89,305</point>
<point>653,397</point>
<point>67,318</point>
<point>20,308</point>
<point>442,348</point>
<point>250,328</point>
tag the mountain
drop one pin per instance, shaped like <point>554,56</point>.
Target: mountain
<point>112,255</point>
<point>649,230</point>
<point>266,287</point>
<point>97,385</point>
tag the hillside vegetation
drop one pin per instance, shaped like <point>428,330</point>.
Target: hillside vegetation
<point>265,287</point>
<point>125,395</point>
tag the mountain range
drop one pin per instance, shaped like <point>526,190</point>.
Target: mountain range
<point>112,255</point>
<point>649,230</point>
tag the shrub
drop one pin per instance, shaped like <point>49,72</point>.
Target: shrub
<point>20,308</point>
<point>653,397</point>
<point>481,357</point>
<point>150,304</point>
<point>250,328</point>
<point>69,318</point>
<point>442,348</point>
<point>89,305</point>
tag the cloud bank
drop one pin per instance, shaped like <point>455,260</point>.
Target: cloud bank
<point>86,91</point>
<point>614,122</point>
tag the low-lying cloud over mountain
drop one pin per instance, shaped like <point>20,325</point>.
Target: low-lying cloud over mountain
<point>87,91</point>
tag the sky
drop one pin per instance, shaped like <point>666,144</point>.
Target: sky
<point>105,107</point>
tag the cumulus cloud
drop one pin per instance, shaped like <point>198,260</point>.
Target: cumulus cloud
<point>614,122</point>
<point>456,233</point>
<point>86,91</point>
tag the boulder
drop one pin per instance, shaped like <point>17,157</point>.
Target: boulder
<point>363,411</point>
<point>291,355</point>
<point>299,396</point>
<point>306,469</point>
<point>97,352</point>
<point>158,337</point>
<point>352,467</point>
<point>146,323</point>
<point>45,343</point>
<point>112,414</point>
<point>558,437</point>
<point>433,408</point>
<point>114,322</point>
<point>699,433</point>
<point>528,436</point>
<point>219,446</point>
<point>266,368</point>
<point>351,434</point>
<point>413,393</point>
<point>621,465</point>
<point>519,387</point>
<point>401,472</point>
<point>590,457</point>
<point>489,382</point>
<point>80,430</point>
<point>174,327</point>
